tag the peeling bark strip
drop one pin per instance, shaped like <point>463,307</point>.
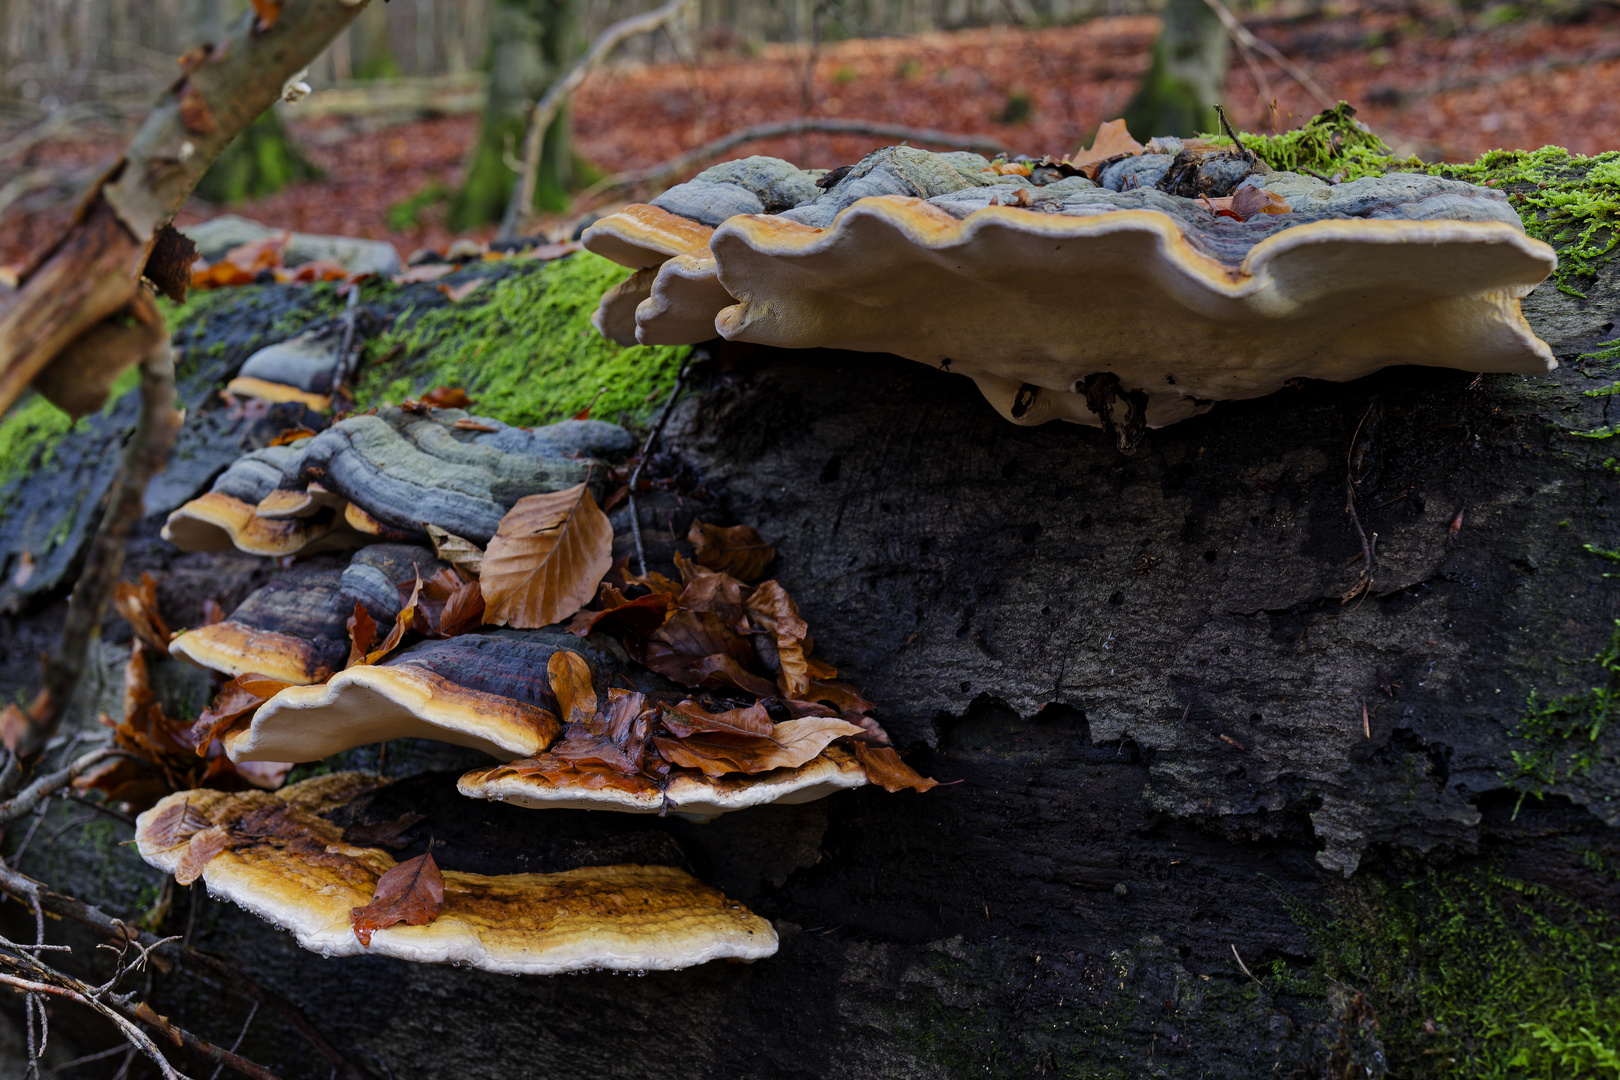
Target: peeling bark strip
<point>92,270</point>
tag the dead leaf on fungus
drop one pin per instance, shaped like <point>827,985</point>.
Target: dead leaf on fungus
<point>738,551</point>
<point>236,699</point>
<point>1112,140</point>
<point>1251,200</point>
<point>138,604</point>
<point>462,554</point>
<point>793,742</point>
<point>689,718</point>
<point>570,678</point>
<point>547,557</point>
<point>772,609</point>
<point>884,768</point>
<point>411,893</point>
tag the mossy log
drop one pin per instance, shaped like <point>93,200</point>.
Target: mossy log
<point>1213,819</point>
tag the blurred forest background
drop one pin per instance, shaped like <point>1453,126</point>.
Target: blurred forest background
<point>385,144</point>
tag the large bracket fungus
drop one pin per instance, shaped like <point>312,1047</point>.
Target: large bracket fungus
<point>1133,294</point>
<point>280,856</point>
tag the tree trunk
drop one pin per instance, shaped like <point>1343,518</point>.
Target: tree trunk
<point>531,43</point>
<point>1187,78</point>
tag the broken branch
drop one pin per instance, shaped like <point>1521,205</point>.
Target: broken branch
<point>1245,39</point>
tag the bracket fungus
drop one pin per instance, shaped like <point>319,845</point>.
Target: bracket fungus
<point>1128,293</point>
<point>294,629</point>
<point>280,856</point>
<point>388,475</point>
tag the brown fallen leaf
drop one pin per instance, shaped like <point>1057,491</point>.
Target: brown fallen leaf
<point>292,435</point>
<point>236,699</point>
<point>383,833</point>
<point>792,743</point>
<point>213,612</point>
<point>447,397</point>
<point>462,554</point>
<point>642,616</point>
<point>138,604</point>
<point>175,825</point>
<point>202,847</point>
<point>686,638</point>
<point>689,717</point>
<point>413,275</point>
<point>739,550</point>
<point>463,612</point>
<point>720,671</point>
<point>1251,200</point>
<point>362,635</point>
<point>461,291</point>
<point>467,423</point>
<point>411,892</point>
<point>885,769</point>
<point>403,622</point>
<point>772,609</point>
<point>546,559</point>
<point>1112,140</point>
<point>570,678</point>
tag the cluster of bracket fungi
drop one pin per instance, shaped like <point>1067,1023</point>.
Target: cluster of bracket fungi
<point>694,697</point>
<point>1131,287</point>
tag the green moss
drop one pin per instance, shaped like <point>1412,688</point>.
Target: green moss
<point>29,432</point>
<point>1564,732</point>
<point>1333,141</point>
<point>524,348</point>
<point>1476,974</point>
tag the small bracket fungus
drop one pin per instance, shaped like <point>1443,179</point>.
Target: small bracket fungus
<point>388,476</point>
<point>1037,290</point>
<point>294,629</point>
<point>487,690</point>
<point>276,855</point>
<point>302,369</point>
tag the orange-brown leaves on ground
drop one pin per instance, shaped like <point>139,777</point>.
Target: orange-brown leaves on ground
<point>411,893</point>
<point>241,265</point>
<point>841,696</point>
<point>463,610</point>
<point>570,678</point>
<point>615,738</point>
<point>288,436</point>
<point>467,423</point>
<point>405,621</point>
<point>690,718</point>
<point>362,635</point>
<point>885,769</point>
<point>464,555</point>
<point>772,609</point>
<point>138,604</point>
<point>462,290</point>
<point>720,671</point>
<point>587,775</point>
<point>792,743</point>
<point>1112,140</point>
<point>235,701</point>
<point>642,616</point>
<point>738,550</point>
<point>447,397</point>
<point>548,555</point>
<point>711,590</point>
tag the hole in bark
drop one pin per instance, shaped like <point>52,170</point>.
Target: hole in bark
<point>830,471</point>
<point>1085,522</point>
<point>1031,531</point>
<point>1255,718</point>
<point>1210,555</point>
<point>1009,470</point>
<point>1117,598</point>
<point>965,686</point>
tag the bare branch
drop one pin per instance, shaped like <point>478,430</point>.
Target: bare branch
<point>93,268</point>
<point>80,995</point>
<point>32,892</point>
<point>663,172</point>
<point>29,797</point>
<point>544,111</point>
<point>1245,39</point>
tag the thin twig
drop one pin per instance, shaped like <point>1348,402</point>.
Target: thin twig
<point>148,450</point>
<point>240,1035</point>
<point>29,891</point>
<point>989,145</point>
<point>31,796</point>
<point>544,111</point>
<point>1240,33</point>
<point>134,1035</point>
<point>641,462</point>
<point>1369,564</point>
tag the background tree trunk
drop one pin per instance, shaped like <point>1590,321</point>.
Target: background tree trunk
<point>1187,78</point>
<point>531,43</point>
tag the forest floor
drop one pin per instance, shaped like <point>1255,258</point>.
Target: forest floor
<point>1430,85</point>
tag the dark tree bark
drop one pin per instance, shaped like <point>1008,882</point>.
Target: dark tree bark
<point>531,43</point>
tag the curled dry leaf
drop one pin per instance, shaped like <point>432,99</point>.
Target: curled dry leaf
<point>739,550</point>
<point>772,609</point>
<point>461,291</point>
<point>1112,140</point>
<point>884,768</point>
<point>138,604</point>
<point>448,397</point>
<point>1251,200</point>
<point>577,704</point>
<point>686,639</point>
<point>690,717</point>
<point>411,892</point>
<point>547,557</point>
<point>362,635</point>
<point>236,700</point>
<point>462,554</point>
<point>202,846</point>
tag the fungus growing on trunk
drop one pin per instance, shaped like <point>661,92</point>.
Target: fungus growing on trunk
<point>281,857</point>
<point>294,629</point>
<point>388,476</point>
<point>1138,298</point>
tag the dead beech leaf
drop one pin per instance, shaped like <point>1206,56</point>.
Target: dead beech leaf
<point>463,612</point>
<point>772,609</point>
<point>721,670</point>
<point>462,554</point>
<point>1112,140</point>
<point>793,743</point>
<point>362,635</point>
<point>175,825</point>
<point>138,603</point>
<point>547,557</point>
<point>202,847</point>
<point>447,397</point>
<point>690,717</point>
<point>411,892</point>
<point>885,769</point>
<point>213,612</point>
<point>686,639</point>
<point>467,423</point>
<point>404,621</point>
<point>1251,200</point>
<point>570,678</point>
<point>461,291</point>
<point>293,434</point>
<point>739,550</point>
<point>237,698</point>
